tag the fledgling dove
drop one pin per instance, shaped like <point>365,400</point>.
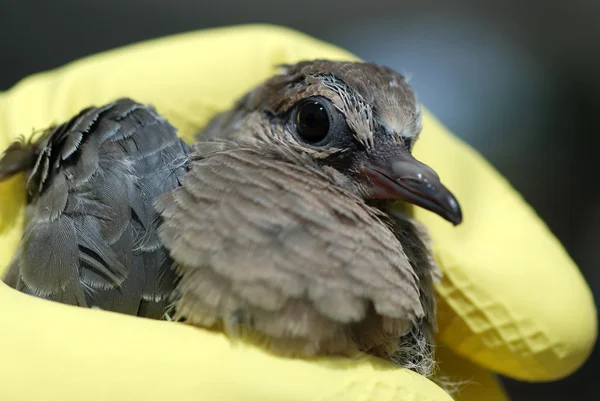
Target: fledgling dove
<point>284,231</point>
<point>91,237</point>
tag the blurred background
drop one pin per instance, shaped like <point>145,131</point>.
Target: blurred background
<point>517,79</point>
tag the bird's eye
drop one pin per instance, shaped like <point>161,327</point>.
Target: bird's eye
<point>312,121</point>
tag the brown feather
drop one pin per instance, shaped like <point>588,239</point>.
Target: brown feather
<point>266,247</point>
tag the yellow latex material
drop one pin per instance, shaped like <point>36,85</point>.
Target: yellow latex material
<point>511,299</point>
<point>468,381</point>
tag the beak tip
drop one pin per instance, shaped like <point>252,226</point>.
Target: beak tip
<point>453,211</point>
<point>456,220</point>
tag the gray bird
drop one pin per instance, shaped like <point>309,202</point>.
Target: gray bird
<point>91,237</point>
<point>283,223</point>
<point>285,228</point>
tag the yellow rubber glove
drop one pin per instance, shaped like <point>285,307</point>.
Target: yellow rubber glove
<point>511,300</point>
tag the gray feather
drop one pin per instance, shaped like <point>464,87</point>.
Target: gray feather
<point>92,239</point>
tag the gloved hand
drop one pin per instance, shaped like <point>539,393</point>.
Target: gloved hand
<point>511,300</point>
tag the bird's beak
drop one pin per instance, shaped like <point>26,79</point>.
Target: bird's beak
<point>402,177</point>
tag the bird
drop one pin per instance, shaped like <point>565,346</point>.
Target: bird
<point>293,225</point>
<point>90,236</point>
<point>288,222</point>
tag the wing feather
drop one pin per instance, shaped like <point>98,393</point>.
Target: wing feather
<point>267,243</point>
<point>92,238</point>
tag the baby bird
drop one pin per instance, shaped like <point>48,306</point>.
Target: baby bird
<point>285,229</point>
<point>288,223</point>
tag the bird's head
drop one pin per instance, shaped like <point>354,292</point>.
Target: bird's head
<point>359,119</point>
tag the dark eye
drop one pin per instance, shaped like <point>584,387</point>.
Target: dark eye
<point>312,121</point>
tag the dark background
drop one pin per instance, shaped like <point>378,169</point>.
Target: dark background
<point>519,80</point>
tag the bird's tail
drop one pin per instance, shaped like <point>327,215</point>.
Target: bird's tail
<point>21,156</point>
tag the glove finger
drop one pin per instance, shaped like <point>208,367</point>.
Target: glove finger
<point>469,381</point>
<point>511,298</point>
<point>111,356</point>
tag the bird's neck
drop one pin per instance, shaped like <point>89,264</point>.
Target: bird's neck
<point>389,206</point>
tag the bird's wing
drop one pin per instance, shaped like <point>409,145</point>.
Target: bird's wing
<point>92,238</point>
<point>263,239</point>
